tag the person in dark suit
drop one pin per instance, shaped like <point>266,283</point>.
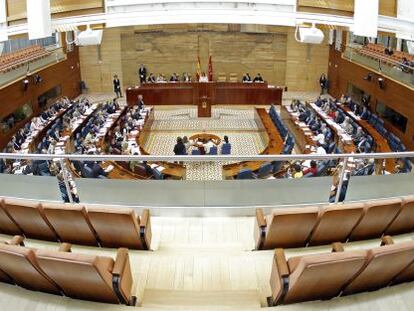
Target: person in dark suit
<point>246,78</point>
<point>117,86</point>
<point>258,78</point>
<point>97,170</point>
<point>142,72</point>
<point>323,82</point>
<point>179,148</point>
<point>151,78</point>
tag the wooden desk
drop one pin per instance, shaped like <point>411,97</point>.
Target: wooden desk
<point>345,145</point>
<point>274,146</point>
<point>204,95</point>
<point>303,135</point>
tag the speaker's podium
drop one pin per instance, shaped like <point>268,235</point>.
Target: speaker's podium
<point>205,98</point>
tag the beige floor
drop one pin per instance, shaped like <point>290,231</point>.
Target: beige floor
<point>205,263</point>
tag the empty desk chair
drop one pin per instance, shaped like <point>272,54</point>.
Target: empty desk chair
<point>226,148</point>
<point>121,227</point>
<point>29,216</point>
<point>336,223</point>
<point>71,223</point>
<point>377,217</point>
<point>7,225</point>
<point>90,277</point>
<point>312,277</point>
<point>213,151</point>
<point>21,265</point>
<point>403,223</point>
<point>245,174</point>
<point>289,227</point>
<point>265,170</point>
<point>383,265</point>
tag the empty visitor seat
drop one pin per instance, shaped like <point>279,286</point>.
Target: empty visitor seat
<point>403,223</point>
<point>245,174</point>
<point>383,265</point>
<point>377,217</point>
<point>90,277</point>
<point>226,148</point>
<point>21,265</point>
<point>121,227</point>
<point>265,170</point>
<point>30,218</point>
<point>7,225</point>
<point>289,227</point>
<point>312,277</point>
<point>71,223</point>
<point>336,223</point>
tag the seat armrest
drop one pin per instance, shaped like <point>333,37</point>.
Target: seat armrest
<point>145,229</point>
<point>260,229</point>
<point>386,240</point>
<point>16,240</point>
<point>279,279</point>
<point>281,262</point>
<point>65,247</point>
<point>337,247</point>
<point>122,278</point>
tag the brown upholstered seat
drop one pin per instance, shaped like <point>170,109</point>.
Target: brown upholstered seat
<point>377,216</point>
<point>89,277</point>
<point>30,218</point>
<point>336,223</point>
<point>70,222</point>
<point>288,227</point>
<point>404,222</point>
<point>313,277</point>
<point>121,227</point>
<point>21,265</point>
<point>383,265</point>
<point>7,225</point>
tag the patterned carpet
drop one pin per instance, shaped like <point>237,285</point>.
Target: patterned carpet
<point>237,124</point>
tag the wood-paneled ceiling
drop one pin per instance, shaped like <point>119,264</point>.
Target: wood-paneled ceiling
<point>16,9</point>
<point>343,7</point>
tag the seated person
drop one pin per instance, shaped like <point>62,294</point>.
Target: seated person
<point>313,169</point>
<point>320,149</point>
<point>359,134</point>
<point>258,78</point>
<point>151,78</point>
<point>339,117</point>
<point>297,171</point>
<point>246,78</point>
<point>186,77</point>
<point>364,113</point>
<point>347,126</point>
<point>207,146</point>
<point>174,78</point>
<point>203,77</point>
<point>320,138</point>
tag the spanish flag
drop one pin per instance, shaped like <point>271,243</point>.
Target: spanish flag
<point>210,69</point>
<point>198,72</point>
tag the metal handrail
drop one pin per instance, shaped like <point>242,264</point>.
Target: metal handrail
<point>208,158</point>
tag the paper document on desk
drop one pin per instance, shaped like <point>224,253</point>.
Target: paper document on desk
<point>160,168</point>
<point>153,165</point>
<point>109,168</point>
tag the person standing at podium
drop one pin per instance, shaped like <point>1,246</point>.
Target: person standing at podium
<point>142,72</point>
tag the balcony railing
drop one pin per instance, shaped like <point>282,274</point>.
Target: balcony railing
<point>381,63</point>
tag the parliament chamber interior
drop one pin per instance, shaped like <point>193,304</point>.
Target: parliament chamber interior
<point>206,155</point>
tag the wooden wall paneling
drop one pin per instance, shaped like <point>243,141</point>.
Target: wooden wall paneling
<point>65,73</point>
<point>395,95</point>
<point>305,63</point>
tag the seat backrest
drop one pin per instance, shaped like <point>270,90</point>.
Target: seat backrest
<point>336,223</point>
<point>30,218</point>
<point>377,217</point>
<point>116,227</point>
<point>195,152</point>
<point>245,174</point>
<point>70,222</point>
<point>403,223</point>
<point>213,150</point>
<point>265,169</point>
<point>7,224</point>
<point>322,276</point>
<point>226,148</point>
<point>290,227</point>
<point>80,276</point>
<point>21,265</point>
<point>383,265</point>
